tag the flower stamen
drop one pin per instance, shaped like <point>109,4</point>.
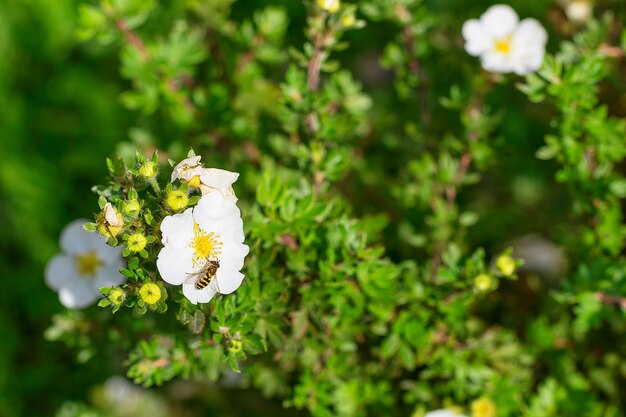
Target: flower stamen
<point>504,45</point>
<point>88,263</point>
<point>205,245</point>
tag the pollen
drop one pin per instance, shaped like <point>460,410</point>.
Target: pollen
<point>88,263</point>
<point>504,45</point>
<point>205,245</point>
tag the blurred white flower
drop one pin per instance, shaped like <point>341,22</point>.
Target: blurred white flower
<point>443,413</point>
<point>209,180</point>
<point>86,264</point>
<point>579,11</point>
<point>203,249</point>
<point>503,43</point>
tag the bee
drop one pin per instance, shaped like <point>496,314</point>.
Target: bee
<point>204,277</point>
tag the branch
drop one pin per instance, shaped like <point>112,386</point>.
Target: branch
<point>416,69</point>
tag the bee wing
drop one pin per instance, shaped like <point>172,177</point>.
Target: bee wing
<point>191,279</point>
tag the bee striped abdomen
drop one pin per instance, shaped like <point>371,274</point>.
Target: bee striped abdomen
<point>208,275</point>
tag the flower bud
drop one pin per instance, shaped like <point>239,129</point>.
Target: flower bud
<point>482,282</point>
<point>194,181</point>
<point>116,296</point>
<point>132,207</point>
<point>150,293</point>
<point>177,200</point>
<point>331,6</point>
<point>506,265</point>
<point>348,19</point>
<point>136,242</point>
<point>148,169</point>
<point>235,346</point>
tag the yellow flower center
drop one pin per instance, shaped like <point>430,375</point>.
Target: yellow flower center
<point>483,407</point>
<point>150,293</point>
<point>504,45</point>
<point>205,245</point>
<point>88,263</point>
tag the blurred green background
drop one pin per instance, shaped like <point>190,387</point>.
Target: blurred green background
<point>60,117</point>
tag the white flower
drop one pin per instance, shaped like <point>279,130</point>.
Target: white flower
<point>442,413</point>
<point>579,11</point>
<point>209,180</point>
<point>86,264</point>
<point>203,249</point>
<point>187,168</point>
<point>505,44</point>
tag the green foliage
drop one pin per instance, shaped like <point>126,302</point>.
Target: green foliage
<point>385,203</point>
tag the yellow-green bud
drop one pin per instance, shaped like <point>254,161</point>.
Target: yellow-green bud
<point>131,207</point>
<point>116,296</point>
<point>331,6</point>
<point>506,265</point>
<point>177,200</point>
<point>136,242</point>
<point>235,346</point>
<point>482,282</point>
<point>348,19</point>
<point>483,407</point>
<point>194,181</point>
<point>148,169</point>
<point>150,293</point>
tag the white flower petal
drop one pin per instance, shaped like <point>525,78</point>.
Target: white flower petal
<point>477,39</point>
<point>215,214</point>
<point>108,254</point>
<point>178,229</point>
<point>496,62</point>
<point>228,279</point>
<point>442,413</point>
<point>78,295</point>
<point>234,258</point>
<point>226,193</point>
<point>185,164</point>
<point>109,275</point>
<point>499,21</point>
<point>75,240</point>
<point>175,264</point>
<point>61,271</point>
<point>529,34</point>
<point>198,296</point>
<point>218,178</point>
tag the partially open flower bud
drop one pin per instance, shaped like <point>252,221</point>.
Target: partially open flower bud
<point>177,200</point>
<point>148,169</point>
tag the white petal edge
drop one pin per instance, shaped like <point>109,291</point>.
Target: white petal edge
<point>218,178</point>
<point>108,276</point>
<point>228,280</point>
<point>529,34</point>
<point>75,240</point>
<point>443,413</point>
<point>186,163</point>
<point>177,229</point>
<point>477,40</point>
<point>198,296</point>
<point>61,271</point>
<point>499,21</point>
<point>175,264</point>
<point>78,295</point>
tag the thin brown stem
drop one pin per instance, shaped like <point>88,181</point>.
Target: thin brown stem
<point>416,69</point>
